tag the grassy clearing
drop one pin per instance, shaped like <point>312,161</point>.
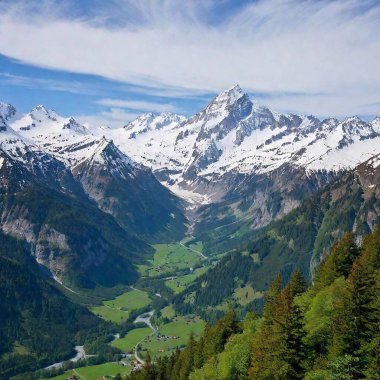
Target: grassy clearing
<point>95,372</point>
<point>173,335</point>
<point>130,340</point>
<point>143,269</point>
<point>168,312</point>
<point>171,257</point>
<point>20,349</point>
<point>109,314</point>
<point>246,295</point>
<point>181,283</point>
<point>98,371</point>
<point>132,300</point>
<point>117,310</point>
<point>64,376</point>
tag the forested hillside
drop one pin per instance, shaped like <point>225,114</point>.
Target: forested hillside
<point>38,323</point>
<point>351,200</point>
<point>298,240</point>
<point>328,331</point>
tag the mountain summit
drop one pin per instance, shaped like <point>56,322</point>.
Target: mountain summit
<point>234,135</point>
<point>220,149</point>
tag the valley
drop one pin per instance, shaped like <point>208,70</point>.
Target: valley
<point>150,231</point>
<point>176,266</point>
<point>189,190</point>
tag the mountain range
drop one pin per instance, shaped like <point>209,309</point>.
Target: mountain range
<point>82,207</point>
<point>235,163</point>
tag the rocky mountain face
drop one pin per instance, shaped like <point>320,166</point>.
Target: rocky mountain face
<point>234,136</point>
<point>234,164</point>
<point>46,202</point>
<point>231,224</point>
<point>299,240</point>
<point>119,186</point>
<point>238,159</point>
<point>65,232</point>
<point>131,193</point>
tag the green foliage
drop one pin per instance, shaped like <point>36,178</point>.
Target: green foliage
<point>86,230</point>
<point>327,332</point>
<point>298,240</point>
<point>38,324</point>
<point>338,262</point>
<point>278,349</point>
<point>216,285</point>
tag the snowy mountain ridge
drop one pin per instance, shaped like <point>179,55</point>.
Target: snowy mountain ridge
<point>235,135</point>
<point>232,135</point>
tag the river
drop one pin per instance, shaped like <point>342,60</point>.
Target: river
<point>144,318</point>
<point>80,354</point>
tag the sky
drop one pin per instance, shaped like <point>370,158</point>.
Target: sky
<point>106,62</point>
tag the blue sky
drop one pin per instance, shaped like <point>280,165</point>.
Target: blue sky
<point>90,98</point>
<point>108,61</point>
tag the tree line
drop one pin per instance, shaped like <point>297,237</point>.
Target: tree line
<point>327,331</point>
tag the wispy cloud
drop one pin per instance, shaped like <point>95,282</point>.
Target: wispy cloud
<point>114,118</point>
<point>272,46</point>
<point>164,91</point>
<point>49,84</point>
<point>139,105</point>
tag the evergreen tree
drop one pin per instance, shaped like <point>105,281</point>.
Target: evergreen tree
<point>330,332</point>
<point>297,283</point>
<point>337,263</point>
<point>270,298</point>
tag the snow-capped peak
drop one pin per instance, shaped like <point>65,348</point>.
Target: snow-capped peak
<point>43,121</point>
<point>230,95</point>
<point>41,113</point>
<point>150,121</point>
<point>232,134</point>
<point>7,111</point>
<point>375,123</point>
<point>226,101</point>
<point>145,118</point>
<point>73,125</point>
<point>107,156</point>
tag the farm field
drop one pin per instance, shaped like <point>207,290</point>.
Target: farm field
<point>168,312</point>
<point>98,371</point>
<point>117,310</point>
<point>172,335</point>
<point>110,314</point>
<point>182,282</point>
<point>171,257</point>
<point>95,372</point>
<point>132,300</point>
<point>134,336</point>
<point>168,258</point>
<point>64,376</point>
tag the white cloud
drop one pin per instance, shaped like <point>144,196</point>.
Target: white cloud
<point>273,46</point>
<point>114,118</point>
<point>139,105</point>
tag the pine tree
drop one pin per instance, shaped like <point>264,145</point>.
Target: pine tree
<point>337,263</point>
<point>270,298</point>
<point>297,283</point>
<point>264,340</point>
<point>278,350</point>
<point>296,350</point>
